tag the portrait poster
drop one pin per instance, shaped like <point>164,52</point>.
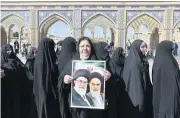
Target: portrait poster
<point>88,84</point>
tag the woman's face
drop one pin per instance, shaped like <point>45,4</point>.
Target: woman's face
<point>143,47</point>
<point>35,52</point>
<point>9,52</point>
<point>84,48</point>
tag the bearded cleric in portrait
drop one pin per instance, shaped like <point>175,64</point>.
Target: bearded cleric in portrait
<point>80,82</point>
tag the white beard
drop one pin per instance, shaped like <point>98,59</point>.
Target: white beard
<point>95,94</point>
<point>80,90</point>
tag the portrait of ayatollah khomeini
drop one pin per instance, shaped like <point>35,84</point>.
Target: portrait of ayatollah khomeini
<point>96,84</point>
<point>80,82</point>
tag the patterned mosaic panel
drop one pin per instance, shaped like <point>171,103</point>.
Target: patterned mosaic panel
<point>23,14</point>
<point>112,14</point>
<point>68,14</point>
<point>90,6</point>
<point>159,15</point>
<point>176,17</point>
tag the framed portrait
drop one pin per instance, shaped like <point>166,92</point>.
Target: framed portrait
<point>88,84</point>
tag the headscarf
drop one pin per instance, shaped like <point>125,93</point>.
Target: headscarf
<point>30,55</point>
<point>7,47</point>
<point>68,50</point>
<point>166,82</point>
<point>93,53</point>
<point>43,70</point>
<point>101,52</point>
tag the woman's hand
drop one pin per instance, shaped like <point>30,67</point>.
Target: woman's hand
<point>107,75</point>
<point>67,79</point>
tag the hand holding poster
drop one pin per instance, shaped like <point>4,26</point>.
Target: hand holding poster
<point>88,84</point>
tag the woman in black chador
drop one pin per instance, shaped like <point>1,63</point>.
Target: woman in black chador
<point>116,92</point>
<point>45,80</point>
<point>15,85</point>
<point>85,51</point>
<point>30,59</point>
<point>138,87</point>
<point>166,82</point>
<point>68,50</point>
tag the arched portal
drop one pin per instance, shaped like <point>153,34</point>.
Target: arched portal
<point>99,25</point>
<point>55,27</point>
<point>144,25</point>
<point>14,24</point>
<point>58,31</point>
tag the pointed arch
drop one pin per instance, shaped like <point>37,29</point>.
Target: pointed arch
<point>140,15</point>
<point>96,15</point>
<point>48,21</point>
<point>8,16</point>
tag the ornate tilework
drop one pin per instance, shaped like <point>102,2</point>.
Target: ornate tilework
<point>68,14</point>
<point>112,14</point>
<point>120,6</point>
<point>176,17</point>
<point>23,14</point>
<point>159,15</point>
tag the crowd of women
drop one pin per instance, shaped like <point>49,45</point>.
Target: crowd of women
<point>40,88</point>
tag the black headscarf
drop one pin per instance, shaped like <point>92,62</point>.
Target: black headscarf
<point>166,82</point>
<point>64,90</point>
<point>7,47</point>
<point>137,82</point>
<point>68,50</point>
<point>43,72</point>
<point>101,52</point>
<point>30,55</point>
<point>30,60</point>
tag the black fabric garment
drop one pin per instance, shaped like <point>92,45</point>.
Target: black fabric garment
<point>30,60</point>
<point>68,50</point>
<point>15,87</point>
<point>115,93</point>
<point>138,96</point>
<point>101,52</point>
<point>45,80</point>
<point>12,55</point>
<point>166,83</point>
<point>64,93</point>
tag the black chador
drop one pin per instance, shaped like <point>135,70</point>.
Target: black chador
<point>15,85</point>
<point>68,50</point>
<point>138,87</point>
<point>45,80</point>
<point>166,83</point>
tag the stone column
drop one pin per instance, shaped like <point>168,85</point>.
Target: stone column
<point>8,38</point>
<point>77,24</point>
<point>120,40</point>
<point>34,31</point>
<point>20,33</point>
<point>168,24</point>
